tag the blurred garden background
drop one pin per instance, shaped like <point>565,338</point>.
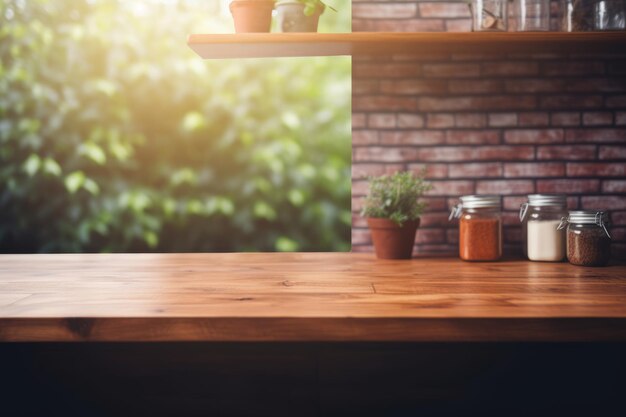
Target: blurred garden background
<point>116,137</point>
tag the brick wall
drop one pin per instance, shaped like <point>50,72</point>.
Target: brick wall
<point>510,125</point>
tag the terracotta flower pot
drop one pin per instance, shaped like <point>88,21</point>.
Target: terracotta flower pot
<point>392,241</point>
<point>290,17</point>
<point>252,15</point>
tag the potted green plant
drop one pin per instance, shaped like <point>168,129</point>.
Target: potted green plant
<point>393,208</point>
<point>252,15</point>
<point>299,15</point>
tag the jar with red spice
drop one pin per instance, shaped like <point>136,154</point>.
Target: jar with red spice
<point>480,227</point>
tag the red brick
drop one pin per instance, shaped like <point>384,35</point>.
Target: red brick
<point>434,219</point>
<point>357,204</point>
<point>507,68</point>
<point>476,103</point>
<point>568,186</point>
<point>360,171</point>
<point>502,119</point>
<point>533,119</point>
<point>412,137</point>
<point>448,70</point>
<point>383,103</point>
<point>595,135</point>
<point>612,152</point>
<point>359,248</point>
<point>569,68</point>
<point>432,170</point>
<point>604,202</point>
<point>361,237</point>
<point>385,70</point>
<point>510,218</point>
<point>616,102</point>
<point>358,120</point>
<point>513,203</point>
<point>361,87</point>
<point>439,120</point>
<point>358,222</point>
<point>466,137</point>
<point>359,188</point>
<point>597,118</point>
<point>452,236</point>
<point>475,170</point>
<point>430,236</point>
<point>381,120</point>
<point>408,120</point>
<point>504,153</point>
<point>578,169</point>
<point>620,118</point>
<point>413,86</point>
<point>614,186</point>
<point>458,25</point>
<point>595,85</point>
<point>565,119</point>
<point>434,204</point>
<point>404,25</point>
<point>453,187</point>
<point>569,101</point>
<point>364,137</point>
<point>476,86</point>
<point>384,11</point>
<point>513,234</point>
<point>385,154</point>
<point>534,169</point>
<point>477,153</point>
<point>618,217</point>
<point>445,10</point>
<point>520,136</point>
<point>534,85</point>
<point>567,152</point>
<point>475,120</point>
<point>505,187</point>
<point>618,234</point>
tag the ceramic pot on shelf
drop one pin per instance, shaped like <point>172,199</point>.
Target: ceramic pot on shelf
<point>392,241</point>
<point>252,16</point>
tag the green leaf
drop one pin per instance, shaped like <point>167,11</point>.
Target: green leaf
<point>284,244</point>
<point>74,181</point>
<point>51,167</point>
<point>32,164</point>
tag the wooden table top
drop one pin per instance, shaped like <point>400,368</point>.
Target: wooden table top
<point>304,297</point>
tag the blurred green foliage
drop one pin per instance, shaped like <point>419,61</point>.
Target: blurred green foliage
<point>114,136</point>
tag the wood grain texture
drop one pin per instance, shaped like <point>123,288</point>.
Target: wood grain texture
<point>218,46</point>
<point>304,297</point>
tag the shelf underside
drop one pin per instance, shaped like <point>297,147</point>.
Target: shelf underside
<point>257,45</point>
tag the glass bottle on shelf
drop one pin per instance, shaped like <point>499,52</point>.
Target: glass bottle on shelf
<point>532,15</point>
<point>588,240</point>
<point>540,217</point>
<point>480,227</point>
<point>489,15</point>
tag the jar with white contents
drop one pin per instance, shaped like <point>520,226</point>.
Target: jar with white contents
<point>540,217</point>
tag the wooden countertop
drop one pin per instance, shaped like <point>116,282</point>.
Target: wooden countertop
<point>304,297</point>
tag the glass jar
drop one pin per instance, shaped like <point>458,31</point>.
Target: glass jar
<point>541,236</point>
<point>588,15</point>
<point>490,15</point>
<point>532,15</point>
<point>480,227</point>
<point>588,240</point>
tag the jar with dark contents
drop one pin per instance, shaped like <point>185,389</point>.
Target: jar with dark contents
<point>588,240</point>
<point>480,227</point>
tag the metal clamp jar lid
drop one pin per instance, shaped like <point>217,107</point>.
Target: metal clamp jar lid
<point>542,200</point>
<point>599,218</point>
<point>474,202</point>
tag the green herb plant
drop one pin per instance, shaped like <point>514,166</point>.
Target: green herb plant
<point>396,197</point>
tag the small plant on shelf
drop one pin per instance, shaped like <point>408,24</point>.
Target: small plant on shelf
<point>393,208</point>
<point>299,15</point>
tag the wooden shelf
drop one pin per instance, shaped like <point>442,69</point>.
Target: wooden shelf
<point>364,43</point>
<point>305,297</point>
